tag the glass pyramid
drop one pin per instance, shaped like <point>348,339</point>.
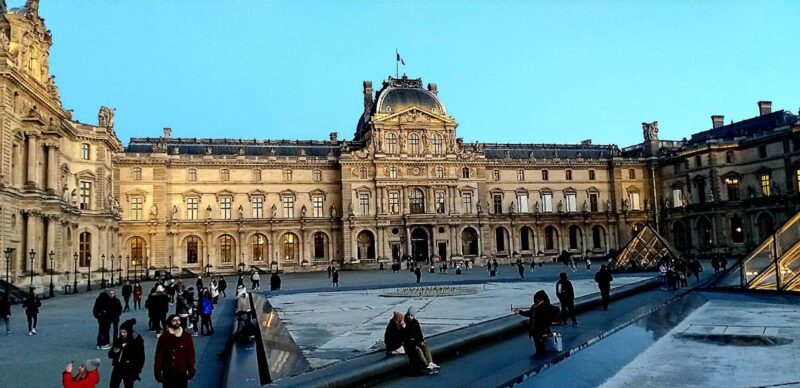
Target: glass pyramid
<point>645,251</point>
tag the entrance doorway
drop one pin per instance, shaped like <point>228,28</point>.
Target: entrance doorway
<point>443,250</point>
<point>419,244</point>
<point>395,251</point>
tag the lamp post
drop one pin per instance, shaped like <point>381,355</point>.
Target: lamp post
<point>8,252</point>
<point>75,274</point>
<point>128,270</point>
<point>32,254</point>
<point>103,270</point>
<point>111,282</point>
<point>146,268</point>
<point>52,286</point>
<point>119,270</point>
<point>89,279</point>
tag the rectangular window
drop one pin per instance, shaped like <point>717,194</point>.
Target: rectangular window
<point>287,175</point>
<point>363,203</point>
<point>698,161</point>
<point>545,175</point>
<point>317,175</point>
<point>591,175</point>
<point>317,204</point>
<point>258,207</point>
<point>497,200</point>
<point>225,208</point>
<point>677,197</point>
<point>571,199</point>
<point>257,175</point>
<point>520,175</point>
<point>136,174</point>
<point>191,208</point>
<point>86,195</point>
<point>85,151</point>
<point>568,175</point>
<point>633,198</point>
<point>466,203</point>
<point>394,202</point>
<point>288,207</point>
<point>547,203</point>
<point>733,188</point>
<point>191,175</point>
<point>439,198</point>
<point>522,203</point>
<point>632,174</point>
<point>136,208</point>
<point>766,185</point>
<point>225,175</point>
<point>437,144</point>
<point>762,152</point>
<point>496,175</point>
<point>593,200</point>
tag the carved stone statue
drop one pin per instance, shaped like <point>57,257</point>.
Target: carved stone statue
<point>585,207</point>
<point>117,206</point>
<point>174,212</point>
<point>647,205</point>
<point>274,210</point>
<point>209,151</point>
<point>74,197</point>
<point>208,211</point>
<point>65,193</point>
<point>303,211</point>
<point>105,118</point>
<point>402,142</point>
<point>625,204</point>
<point>560,206</point>
<point>513,208</point>
<point>775,188</point>
<point>650,131</point>
<point>154,211</point>
<point>684,200</point>
<point>710,193</point>
<point>536,207</point>
<point>241,212</point>
<point>479,207</point>
<point>160,145</point>
<point>109,201</point>
<point>350,208</point>
<point>333,211</point>
<point>608,205</point>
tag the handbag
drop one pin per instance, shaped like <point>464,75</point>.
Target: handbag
<point>553,342</point>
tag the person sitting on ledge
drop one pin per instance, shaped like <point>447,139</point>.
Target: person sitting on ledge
<point>395,334</point>
<point>418,353</point>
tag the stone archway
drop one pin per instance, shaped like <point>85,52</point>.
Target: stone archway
<point>366,245</point>
<point>469,242</point>
<point>419,244</point>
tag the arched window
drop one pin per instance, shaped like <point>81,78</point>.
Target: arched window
<point>259,242</point>
<point>465,172</point>
<point>137,251</point>
<point>598,237</point>
<point>319,245</point>
<point>391,143</point>
<point>679,235</point>
<point>192,249</point>
<point>469,242</point>
<point>550,235</point>
<point>500,239</point>
<point>287,175</point>
<point>85,249</point>
<point>413,142</point>
<point>257,175</point>
<point>226,249</point>
<point>737,229</point>
<point>705,232</point>
<point>417,201</point>
<point>85,151</point>
<point>437,144</point>
<point>289,247</point>
<point>765,226</point>
<point>525,239</point>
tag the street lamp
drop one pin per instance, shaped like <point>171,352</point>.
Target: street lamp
<point>103,270</point>
<point>128,271</point>
<point>75,274</point>
<point>52,286</point>
<point>119,270</point>
<point>8,252</point>
<point>112,270</point>
<point>89,279</point>
<point>32,254</point>
<point>146,268</point>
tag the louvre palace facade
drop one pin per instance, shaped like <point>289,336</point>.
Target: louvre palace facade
<point>405,184</point>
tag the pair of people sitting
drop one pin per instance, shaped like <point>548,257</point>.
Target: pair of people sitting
<point>405,332</point>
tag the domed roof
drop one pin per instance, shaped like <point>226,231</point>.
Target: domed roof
<point>399,94</point>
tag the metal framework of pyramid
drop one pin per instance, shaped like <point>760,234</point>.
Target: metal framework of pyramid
<point>774,265</point>
<point>645,251</point>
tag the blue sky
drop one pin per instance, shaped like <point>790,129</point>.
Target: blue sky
<point>508,71</point>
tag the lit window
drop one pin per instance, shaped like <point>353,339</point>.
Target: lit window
<point>258,207</point>
<point>225,208</point>
<point>191,208</point>
<point>258,247</point>
<point>136,208</point>
<point>677,197</point>
<point>136,173</point>
<point>733,188</point>
<point>289,247</point>
<point>288,207</point>
<point>766,188</point>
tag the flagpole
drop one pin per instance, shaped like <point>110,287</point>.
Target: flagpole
<point>396,64</point>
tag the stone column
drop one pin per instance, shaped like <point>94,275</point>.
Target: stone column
<point>32,161</point>
<point>52,168</point>
<point>52,219</point>
<point>31,236</point>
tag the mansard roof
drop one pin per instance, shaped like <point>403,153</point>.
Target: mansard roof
<point>548,151</point>
<point>752,127</point>
<point>254,147</point>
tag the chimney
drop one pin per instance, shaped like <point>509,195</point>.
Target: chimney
<point>764,107</point>
<point>717,121</point>
<point>367,95</point>
<point>167,133</point>
<point>334,136</point>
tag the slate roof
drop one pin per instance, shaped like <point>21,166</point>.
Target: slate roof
<point>548,151</point>
<point>752,127</point>
<point>251,147</point>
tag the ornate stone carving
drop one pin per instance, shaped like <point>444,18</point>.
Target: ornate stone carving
<point>650,131</point>
<point>105,118</point>
<point>241,212</point>
<point>153,212</point>
<point>208,212</point>
<point>174,212</point>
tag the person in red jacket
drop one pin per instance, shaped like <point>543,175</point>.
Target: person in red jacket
<point>174,361</point>
<point>88,375</point>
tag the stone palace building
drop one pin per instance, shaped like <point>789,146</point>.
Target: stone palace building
<point>73,198</point>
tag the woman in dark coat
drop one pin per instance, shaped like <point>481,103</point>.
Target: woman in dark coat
<point>31,306</point>
<point>539,317</point>
<point>127,356</point>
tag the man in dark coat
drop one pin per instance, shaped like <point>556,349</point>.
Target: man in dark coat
<point>274,282</point>
<point>566,297</point>
<point>115,312</point>
<point>174,362</point>
<point>603,278</point>
<point>127,291</point>
<point>395,333</point>
<point>419,356</point>
<point>335,278</point>
<point>539,318</point>
<point>521,269</point>
<point>5,311</point>
<point>158,307</point>
<point>102,313</point>
<point>127,356</point>
<point>418,273</point>
<point>222,285</point>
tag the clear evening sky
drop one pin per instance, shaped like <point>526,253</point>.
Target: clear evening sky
<point>508,71</point>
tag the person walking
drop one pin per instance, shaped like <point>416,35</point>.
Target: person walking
<point>715,264</point>
<point>335,278</point>
<point>566,297</point>
<point>102,313</point>
<point>137,296</point>
<point>174,363</point>
<point>588,264</point>
<point>418,273</point>
<point>604,278</point>
<point>330,271</point>
<point>127,356</point>
<point>115,312</point>
<point>414,344</point>
<point>31,305</point>
<point>255,279</point>
<point>214,290</point>
<point>697,268</point>
<point>127,291</point>
<point>5,311</point>
<point>199,283</point>
<point>160,305</point>
<point>206,309</point>
<point>539,318</point>
<point>182,308</point>
<point>521,269</point>
<point>380,267</point>
<point>88,375</point>
<point>222,285</point>
<point>274,282</point>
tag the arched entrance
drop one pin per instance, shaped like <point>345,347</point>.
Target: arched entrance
<point>765,226</point>
<point>366,245</point>
<point>469,242</point>
<point>419,244</point>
